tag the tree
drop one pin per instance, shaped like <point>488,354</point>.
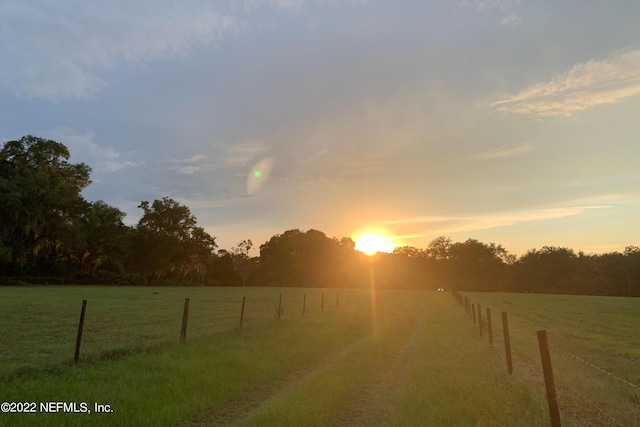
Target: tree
<point>410,252</point>
<point>632,254</point>
<point>243,264</point>
<point>168,243</point>
<point>478,266</point>
<point>39,202</point>
<point>440,248</point>
<point>105,237</point>
<point>548,270</point>
<point>279,259</point>
<point>199,248</point>
<point>297,258</point>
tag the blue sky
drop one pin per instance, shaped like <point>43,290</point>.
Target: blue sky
<point>506,121</point>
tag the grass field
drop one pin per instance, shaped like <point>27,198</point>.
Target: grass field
<point>594,344</point>
<point>401,358</point>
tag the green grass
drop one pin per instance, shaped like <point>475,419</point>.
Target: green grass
<point>602,331</point>
<point>444,378</point>
<point>41,323</point>
<point>410,359</point>
<point>181,381</point>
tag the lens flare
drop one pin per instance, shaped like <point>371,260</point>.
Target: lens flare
<point>259,175</point>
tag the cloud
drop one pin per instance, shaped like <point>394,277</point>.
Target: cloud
<point>193,159</point>
<point>455,224</point>
<point>190,165</point>
<point>55,50</point>
<point>584,86</point>
<point>314,157</point>
<point>187,170</point>
<point>241,154</point>
<point>368,166</point>
<point>503,8</point>
<point>103,160</point>
<point>291,6</point>
<point>305,183</point>
<point>496,4</point>
<point>511,20</point>
<point>505,151</point>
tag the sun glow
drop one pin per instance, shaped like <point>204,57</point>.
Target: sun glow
<point>371,242</point>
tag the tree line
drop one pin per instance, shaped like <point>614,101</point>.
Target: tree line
<point>50,234</point>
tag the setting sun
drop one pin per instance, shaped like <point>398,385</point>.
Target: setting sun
<point>371,242</point>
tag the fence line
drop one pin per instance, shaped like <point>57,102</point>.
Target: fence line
<point>554,347</point>
<point>111,327</point>
<point>600,369</point>
<point>465,301</point>
<point>563,383</point>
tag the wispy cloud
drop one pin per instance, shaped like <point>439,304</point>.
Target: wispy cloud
<point>314,157</point>
<point>194,159</point>
<point>56,49</point>
<point>454,224</point>
<point>505,151</point>
<point>496,4</point>
<point>243,153</point>
<point>103,160</point>
<point>505,8</point>
<point>356,167</point>
<point>584,86</point>
<point>187,170</point>
<point>511,20</point>
<point>313,183</point>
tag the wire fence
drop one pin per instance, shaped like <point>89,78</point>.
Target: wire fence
<point>43,335</point>
<point>524,343</point>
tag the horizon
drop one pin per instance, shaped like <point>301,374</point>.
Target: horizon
<point>509,122</point>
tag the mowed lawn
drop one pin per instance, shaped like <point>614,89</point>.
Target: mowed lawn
<point>355,358</point>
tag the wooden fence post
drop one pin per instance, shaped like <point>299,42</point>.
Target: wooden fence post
<point>480,318</point>
<point>80,328</point>
<point>489,327</point>
<point>280,307</point>
<point>241,313</point>
<point>552,398</point>
<point>473,310</point>
<point>185,317</point>
<point>507,342</point>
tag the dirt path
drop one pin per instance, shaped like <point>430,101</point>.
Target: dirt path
<point>370,400</point>
<point>242,407</point>
<point>370,406</point>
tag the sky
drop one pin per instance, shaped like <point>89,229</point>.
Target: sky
<point>511,122</point>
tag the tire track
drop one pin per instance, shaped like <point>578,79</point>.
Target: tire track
<point>371,404</point>
<point>242,407</point>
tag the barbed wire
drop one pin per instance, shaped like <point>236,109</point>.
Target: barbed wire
<point>602,411</point>
<point>523,331</point>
